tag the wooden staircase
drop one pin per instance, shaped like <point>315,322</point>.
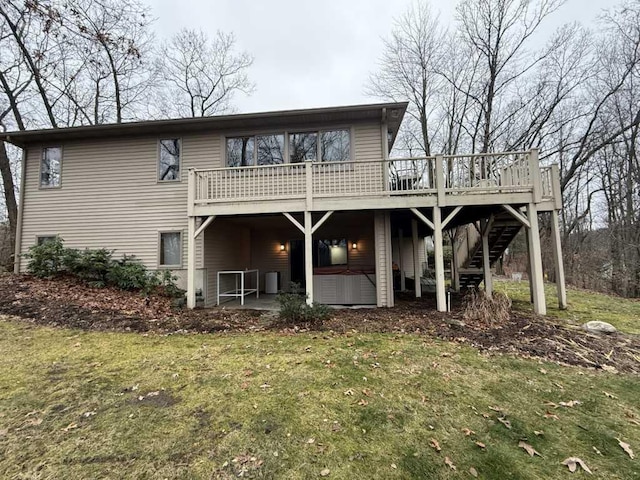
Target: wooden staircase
<point>469,250</point>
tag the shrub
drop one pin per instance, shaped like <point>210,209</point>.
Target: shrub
<point>48,259</point>
<point>98,268</point>
<point>294,308</point>
<point>491,311</point>
<point>129,274</point>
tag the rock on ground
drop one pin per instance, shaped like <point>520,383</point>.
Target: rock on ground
<point>597,326</point>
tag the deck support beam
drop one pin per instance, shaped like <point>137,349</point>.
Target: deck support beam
<point>486,259</point>
<point>417,274</point>
<point>191,263</point>
<point>403,282</point>
<point>308,256</point>
<point>535,260</point>
<point>557,260</point>
<point>441,297</point>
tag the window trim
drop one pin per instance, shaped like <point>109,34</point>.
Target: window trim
<point>158,147</point>
<point>159,252</point>
<point>42,150</point>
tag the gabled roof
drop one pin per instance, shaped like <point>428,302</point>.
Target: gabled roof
<point>391,112</point>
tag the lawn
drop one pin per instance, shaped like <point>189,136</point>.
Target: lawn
<point>584,305</point>
<point>77,404</point>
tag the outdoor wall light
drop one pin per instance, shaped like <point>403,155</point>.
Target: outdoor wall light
<point>354,246</point>
<point>282,247</point>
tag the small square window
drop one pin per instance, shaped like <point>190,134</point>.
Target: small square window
<point>170,249</point>
<point>50,167</point>
<point>41,240</point>
<point>169,160</point>
<point>335,146</point>
<point>303,146</point>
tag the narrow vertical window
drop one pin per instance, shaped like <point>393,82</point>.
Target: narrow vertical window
<point>169,160</point>
<point>51,167</point>
<point>240,151</point>
<point>335,146</point>
<point>170,249</point>
<point>303,146</point>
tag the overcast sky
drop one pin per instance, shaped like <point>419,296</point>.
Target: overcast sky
<point>313,53</point>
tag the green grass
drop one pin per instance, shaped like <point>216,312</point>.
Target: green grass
<point>274,405</point>
<point>583,305</point>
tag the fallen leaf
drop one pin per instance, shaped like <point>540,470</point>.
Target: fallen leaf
<point>448,461</point>
<point>626,447</point>
<point>543,371</point>
<point>311,440</point>
<point>473,472</point>
<point>89,414</point>
<point>363,402</point>
<point>33,422</point>
<point>573,462</point>
<point>325,472</point>
<point>548,414</point>
<point>366,392</point>
<point>528,448</point>
<point>467,432</point>
<point>597,451</point>
<point>71,426</point>
<point>610,395</point>
<point>505,422</point>
<point>435,445</point>
<point>495,409</point>
<point>572,403</point>
<point>538,433</point>
<point>349,393</point>
<point>394,466</point>
<point>481,445</point>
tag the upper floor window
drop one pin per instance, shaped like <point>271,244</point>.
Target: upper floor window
<point>255,150</point>
<point>303,146</point>
<point>169,160</point>
<point>269,149</point>
<point>51,167</point>
<point>335,146</point>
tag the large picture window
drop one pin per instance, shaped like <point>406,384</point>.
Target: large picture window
<point>240,151</point>
<point>51,167</point>
<point>169,160</point>
<point>270,149</point>
<point>303,146</point>
<point>170,249</point>
<point>335,146</point>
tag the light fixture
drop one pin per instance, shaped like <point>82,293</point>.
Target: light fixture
<point>282,247</point>
<point>354,246</point>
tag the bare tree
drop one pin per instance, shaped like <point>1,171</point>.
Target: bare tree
<point>201,75</point>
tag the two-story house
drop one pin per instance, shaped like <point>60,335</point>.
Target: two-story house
<point>236,204</point>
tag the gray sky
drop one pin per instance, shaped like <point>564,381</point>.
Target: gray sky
<point>313,53</point>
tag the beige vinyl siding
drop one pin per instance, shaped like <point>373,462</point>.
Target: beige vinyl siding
<point>226,247</point>
<point>110,196</point>
<point>407,253</point>
<point>367,142</point>
<point>267,256</point>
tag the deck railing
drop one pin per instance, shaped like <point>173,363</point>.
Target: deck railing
<point>451,174</point>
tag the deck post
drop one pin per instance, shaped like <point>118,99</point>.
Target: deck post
<point>191,263</point>
<point>557,260</point>
<point>455,268</point>
<point>403,283</point>
<point>441,297</point>
<point>535,260</point>
<point>308,256</point>
<point>417,274</point>
<point>486,260</point>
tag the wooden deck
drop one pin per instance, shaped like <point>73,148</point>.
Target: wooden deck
<point>514,178</point>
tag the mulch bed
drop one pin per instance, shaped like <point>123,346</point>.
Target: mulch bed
<point>66,302</point>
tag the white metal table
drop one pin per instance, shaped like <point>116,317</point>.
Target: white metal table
<point>239,291</point>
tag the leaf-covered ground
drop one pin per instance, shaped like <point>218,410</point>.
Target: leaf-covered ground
<point>77,404</point>
<point>66,302</point>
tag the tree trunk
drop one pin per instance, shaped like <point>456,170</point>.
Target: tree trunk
<point>9,194</point>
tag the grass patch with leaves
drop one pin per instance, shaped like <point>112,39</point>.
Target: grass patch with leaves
<point>583,305</point>
<point>76,404</point>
